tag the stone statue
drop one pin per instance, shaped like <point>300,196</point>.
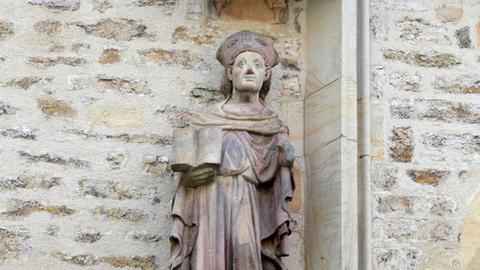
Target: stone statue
<point>234,162</point>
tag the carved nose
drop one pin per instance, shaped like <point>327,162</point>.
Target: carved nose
<point>250,71</point>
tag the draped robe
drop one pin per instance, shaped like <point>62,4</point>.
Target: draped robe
<point>240,220</point>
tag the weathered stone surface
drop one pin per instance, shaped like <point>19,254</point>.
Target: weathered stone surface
<point>52,107</point>
<point>177,117</point>
<point>107,189</point>
<point>48,27</point>
<point>123,85</point>
<point>21,208</point>
<point>429,177</point>
<point>181,58</point>
<point>133,215</point>
<point>402,144</point>
<point>6,30</point>
<point>143,263</point>
<point>478,34</point>
<point>110,56</point>
<point>426,230</point>
<point>206,95</point>
<point>57,4</point>
<point>466,84</point>
<point>49,158</point>
<point>465,142</point>
<point>196,34</point>
<point>463,37</point>
<point>418,29</point>
<point>21,132</point>
<point>102,5</point>
<point>449,14</point>
<point>422,59</point>
<point>28,181</point>
<point>24,82</point>
<point>47,61</point>
<point>89,236</point>
<point>127,138</point>
<point>145,237</point>
<point>52,230</point>
<point>379,29</point>
<point>116,159</point>
<point>436,110</point>
<point>13,242</point>
<point>156,166</point>
<point>116,116</point>
<point>405,81</point>
<point>384,177</point>
<point>396,258</point>
<point>118,29</point>
<point>6,109</point>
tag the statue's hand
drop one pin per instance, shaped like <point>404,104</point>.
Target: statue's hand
<point>200,175</point>
<point>288,152</point>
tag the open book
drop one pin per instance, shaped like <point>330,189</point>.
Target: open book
<point>196,146</point>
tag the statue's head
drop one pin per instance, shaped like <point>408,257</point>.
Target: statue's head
<point>248,59</point>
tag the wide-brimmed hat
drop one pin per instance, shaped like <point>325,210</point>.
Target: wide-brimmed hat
<point>246,41</point>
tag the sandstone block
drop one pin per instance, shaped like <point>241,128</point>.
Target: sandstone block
<point>54,159</point>
<point>21,208</point>
<point>449,14</point>
<point>179,58</point>
<point>47,61</point>
<point>102,5</point>
<point>177,117</point>
<point>27,181</point>
<point>196,34</point>
<point>88,236</point>
<point>117,29</point>
<point>464,142</point>
<point>24,82</point>
<point>138,262</point>
<point>423,59</point>
<point>6,30</point>
<point>419,30</point>
<point>429,177</point>
<point>107,189</point>
<point>154,139</point>
<point>463,37</point>
<point>145,236</point>
<point>204,95</point>
<point>110,56</point>
<point>402,144</point>
<point>404,81</point>
<point>397,257</point>
<point>6,109</point>
<point>133,215</point>
<point>21,132</point>
<point>465,84</point>
<point>116,116</point>
<point>52,107</point>
<point>123,85</point>
<point>48,27</point>
<point>57,4</point>
<point>13,242</point>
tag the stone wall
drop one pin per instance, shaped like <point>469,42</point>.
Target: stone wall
<point>425,67</point>
<point>90,91</point>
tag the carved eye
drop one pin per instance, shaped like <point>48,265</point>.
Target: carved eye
<point>241,63</point>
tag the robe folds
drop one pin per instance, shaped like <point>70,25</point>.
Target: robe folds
<point>240,220</point>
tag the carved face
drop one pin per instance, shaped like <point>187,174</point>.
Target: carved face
<point>248,72</point>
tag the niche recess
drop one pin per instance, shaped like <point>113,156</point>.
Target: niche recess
<point>274,11</point>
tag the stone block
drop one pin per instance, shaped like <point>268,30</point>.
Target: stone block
<point>6,109</point>
<point>88,236</point>
<point>464,84</point>
<point>449,13</point>
<point>175,58</point>
<point>128,214</point>
<point>48,27</point>
<point>116,29</point>
<point>397,258</point>
<point>110,56</point>
<point>54,159</point>
<point>402,144</point>
<point>20,208</point>
<point>50,61</point>
<point>28,181</point>
<point>6,30</point>
<point>429,176</point>
<point>416,30</point>
<point>198,35</point>
<point>14,242</point>
<point>123,85</point>
<point>24,82</point>
<point>153,139</point>
<point>116,116</point>
<point>430,59</point>
<point>21,132</point>
<point>405,81</point>
<point>464,142</point>
<point>104,189</point>
<point>57,4</point>
<point>463,37</point>
<point>52,107</point>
